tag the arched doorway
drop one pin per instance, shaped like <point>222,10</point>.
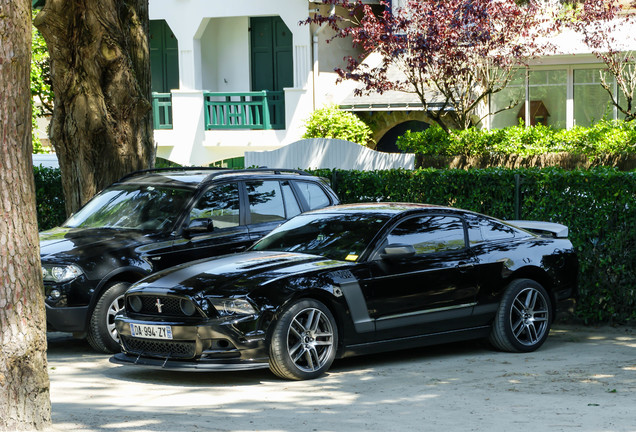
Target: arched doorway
<point>388,141</point>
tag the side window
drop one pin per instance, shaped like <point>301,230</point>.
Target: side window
<point>266,201</point>
<point>220,204</point>
<point>492,230</point>
<point>291,205</point>
<point>314,195</point>
<point>430,234</point>
<point>474,230</point>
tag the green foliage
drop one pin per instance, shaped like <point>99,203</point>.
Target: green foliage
<point>598,205</point>
<point>605,137</point>
<point>41,93</point>
<point>49,197</point>
<point>330,122</point>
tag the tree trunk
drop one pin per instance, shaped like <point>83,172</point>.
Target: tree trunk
<point>100,68</point>
<point>24,381</point>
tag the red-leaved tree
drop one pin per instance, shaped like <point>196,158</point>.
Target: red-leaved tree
<point>607,29</point>
<point>452,54</point>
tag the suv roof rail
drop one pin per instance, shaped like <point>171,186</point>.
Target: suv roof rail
<point>260,169</point>
<point>217,171</point>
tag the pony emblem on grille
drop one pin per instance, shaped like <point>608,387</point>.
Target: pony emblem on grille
<point>159,305</point>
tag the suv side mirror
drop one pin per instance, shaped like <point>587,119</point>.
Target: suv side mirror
<point>199,226</point>
<point>397,251</point>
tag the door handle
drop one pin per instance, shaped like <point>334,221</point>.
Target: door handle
<point>464,266</point>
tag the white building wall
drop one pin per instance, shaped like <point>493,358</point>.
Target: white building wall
<point>214,56</point>
<point>225,55</point>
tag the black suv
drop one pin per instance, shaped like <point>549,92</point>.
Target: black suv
<point>154,219</point>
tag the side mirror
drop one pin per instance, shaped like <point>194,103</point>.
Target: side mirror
<point>199,226</point>
<point>397,251</point>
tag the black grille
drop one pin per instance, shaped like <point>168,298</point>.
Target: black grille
<point>154,348</point>
<point>169,306</point>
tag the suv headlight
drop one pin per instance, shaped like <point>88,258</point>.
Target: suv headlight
<point>230,306</point>
<point>60,273</point>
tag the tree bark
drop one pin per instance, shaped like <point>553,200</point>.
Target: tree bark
<point>101,127</point>
<point>24,381</point>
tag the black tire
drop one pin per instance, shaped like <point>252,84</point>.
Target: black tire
<point>523,319</point>
<point>102,335</point>
<point>304,341</point>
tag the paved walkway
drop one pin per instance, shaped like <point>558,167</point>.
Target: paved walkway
<point>580,380</point>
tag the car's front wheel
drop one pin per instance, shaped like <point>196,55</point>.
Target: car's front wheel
<point>524,317</point>
<point>102,335</point>
<point>304,341</point>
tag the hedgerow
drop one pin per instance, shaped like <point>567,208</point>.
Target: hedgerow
<point>605,137</point>
<point>598,205</point>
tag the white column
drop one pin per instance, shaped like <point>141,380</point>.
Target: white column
<point>188,126</point>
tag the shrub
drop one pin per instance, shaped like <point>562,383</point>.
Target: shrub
<point>330,122</point>
<point>49,197</point>
<point>605,137</point>
<point>598,205</point>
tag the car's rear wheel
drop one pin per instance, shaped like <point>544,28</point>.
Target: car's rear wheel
<point>304,341</point>
<point>102,335</point>
<point>523,319</point>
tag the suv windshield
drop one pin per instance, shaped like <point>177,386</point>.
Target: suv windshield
<point>146,208</point>
<point>335,236</point>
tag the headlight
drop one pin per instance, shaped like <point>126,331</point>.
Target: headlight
<point>60,273</point>
<point>228,306</point>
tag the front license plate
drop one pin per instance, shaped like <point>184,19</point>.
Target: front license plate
<point>150,331</point>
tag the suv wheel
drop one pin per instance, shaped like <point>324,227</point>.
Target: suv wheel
<point>102,334</point>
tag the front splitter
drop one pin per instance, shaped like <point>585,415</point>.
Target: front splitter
<point>187,366</point>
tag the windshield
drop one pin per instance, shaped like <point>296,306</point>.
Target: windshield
<point>145,208</point>
<point>335,236</point>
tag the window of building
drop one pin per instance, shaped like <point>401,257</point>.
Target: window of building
<point>548,91</point>
<point>514,94</point>
<point>591,101</point>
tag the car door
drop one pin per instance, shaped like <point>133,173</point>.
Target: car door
<point>218,208</point>
<point>433,290</point>
<point>269,203</point>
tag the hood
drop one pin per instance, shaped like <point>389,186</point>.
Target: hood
<point>69,244</point>
<point>236,274</point>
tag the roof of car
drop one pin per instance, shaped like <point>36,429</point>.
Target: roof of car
<point>194,176</point>
<point>380,207</point>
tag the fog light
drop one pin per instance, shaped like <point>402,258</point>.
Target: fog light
<point>55,294</point>
<point>187,307</point>
<point>135,303</point>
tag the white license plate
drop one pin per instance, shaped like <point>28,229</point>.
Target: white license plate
<point>150,331</point>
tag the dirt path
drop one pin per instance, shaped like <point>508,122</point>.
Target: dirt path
<point>580,380</point>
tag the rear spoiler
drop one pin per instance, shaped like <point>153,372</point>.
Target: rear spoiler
<point>542,228</point>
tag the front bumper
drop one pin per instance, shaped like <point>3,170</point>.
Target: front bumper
<point>200,365</point>
<point>209,344</point>
<point>66,319</point>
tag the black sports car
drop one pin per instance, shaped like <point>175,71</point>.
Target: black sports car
<point>348,280</point>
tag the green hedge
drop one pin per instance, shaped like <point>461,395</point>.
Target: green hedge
<point>605,137</point>
<point>49,197</point>
<point>598,205</point>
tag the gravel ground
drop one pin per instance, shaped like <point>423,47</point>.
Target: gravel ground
<point>582,379</point>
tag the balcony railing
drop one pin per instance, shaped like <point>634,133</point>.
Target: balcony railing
<point>162,110</point>
<point>251,110</point>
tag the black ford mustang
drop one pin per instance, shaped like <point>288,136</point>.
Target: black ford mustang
<point>348,280</point>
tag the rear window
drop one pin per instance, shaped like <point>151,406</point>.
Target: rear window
<point>314,195</point>
<point>482,229</point>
